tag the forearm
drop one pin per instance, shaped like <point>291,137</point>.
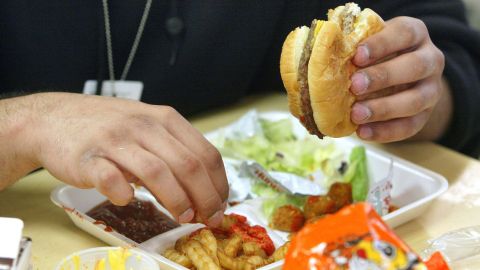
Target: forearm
<point>440,118</point>
<point>16,148</point>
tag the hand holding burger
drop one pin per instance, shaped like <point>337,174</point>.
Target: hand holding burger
<point>403,68</point>
<point>356,73</point>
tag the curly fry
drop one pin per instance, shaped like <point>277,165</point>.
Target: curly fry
<point>253,249</point>
<point>257,261</point>
<point>180,244</point>
<point>221,243</point>
<point>177,257</point>
<point>280,253</point>
<point>199,256</point>
<point>233,245</point>
<point>232,263</point>
<point>209,242</point>
<point>227,222</point>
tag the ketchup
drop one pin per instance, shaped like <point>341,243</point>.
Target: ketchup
<point>139,220</point>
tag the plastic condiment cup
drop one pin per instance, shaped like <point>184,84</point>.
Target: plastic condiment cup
<point>88,259</point>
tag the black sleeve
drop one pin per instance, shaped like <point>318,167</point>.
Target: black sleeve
<point>449,31</point>
<point>295,13</point>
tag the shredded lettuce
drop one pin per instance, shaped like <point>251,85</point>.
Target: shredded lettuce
<point>277,149</point>
<point>277,131</point>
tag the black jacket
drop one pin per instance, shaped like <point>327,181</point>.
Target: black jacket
<point>228,49</point>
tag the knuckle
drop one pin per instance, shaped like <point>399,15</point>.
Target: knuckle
<point>142,121</point>
<point>378,47</point>
<point>168,112</point>
<point>421,66</point>
<point>408,31</point>
<point>382,134</point>
<point>379,78</point>
<point>418,104</point>
<point>107,179</point>
<point>152,170</point>
<point>114,137</point>
<point>420,27</point>
<point>191,165</point>
<point>412,29</point>
<point>431,94</point>
<point>388,134</point>
<point>411,127</point>
<point>169,116</point>
<point>180,204</point>
<point>437,92</point>
<point>394,133</point>
<point>380,112</point>
<point>213,158</point>
<point>210,205</point>
<point>439,59</point>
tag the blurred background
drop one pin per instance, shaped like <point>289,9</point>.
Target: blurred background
<point>473,12</point>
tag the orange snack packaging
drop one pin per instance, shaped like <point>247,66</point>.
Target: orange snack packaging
<point>354,238</point>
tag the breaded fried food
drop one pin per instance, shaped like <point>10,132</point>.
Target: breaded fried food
<point>341,193</point>
<point>287,218</point>
<point>318,206</point>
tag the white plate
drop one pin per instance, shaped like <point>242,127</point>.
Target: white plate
<point>414,188</point>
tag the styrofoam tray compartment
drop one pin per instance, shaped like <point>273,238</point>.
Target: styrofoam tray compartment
<point>76,202</point>
<point>158,244</point>
<point>414,188</point>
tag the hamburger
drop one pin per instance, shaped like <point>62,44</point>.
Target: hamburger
<point>315,66</point>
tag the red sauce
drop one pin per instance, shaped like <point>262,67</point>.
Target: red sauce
<point>139,220</point>
<point>68,209</point>
<point>99,222</point>
<point>392,208</point>
<point>251,233</point>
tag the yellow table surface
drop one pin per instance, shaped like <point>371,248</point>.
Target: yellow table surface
<point>55,236</point>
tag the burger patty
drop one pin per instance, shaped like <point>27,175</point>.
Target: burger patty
<point>307,112</point>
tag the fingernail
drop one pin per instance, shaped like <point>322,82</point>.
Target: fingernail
<point>359,83</point>
<point>215,219</point>
<point>187,216</point>
<point>365,132</point>
<point>363,55</point>
<point>360,113</point>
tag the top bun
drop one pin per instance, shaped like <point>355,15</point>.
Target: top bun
<point>329,68</point>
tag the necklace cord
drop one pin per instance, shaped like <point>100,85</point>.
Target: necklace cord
<point>136,42</point>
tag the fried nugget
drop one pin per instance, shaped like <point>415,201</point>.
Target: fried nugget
<point>318,206</point>
<point>341,193</point>
<point>287,218</point>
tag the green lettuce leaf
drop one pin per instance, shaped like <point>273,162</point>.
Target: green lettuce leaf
<point>357,174</point>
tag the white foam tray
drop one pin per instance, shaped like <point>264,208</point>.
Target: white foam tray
<point>414,188</point>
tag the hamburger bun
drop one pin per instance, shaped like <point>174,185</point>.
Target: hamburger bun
<point>315,66</point>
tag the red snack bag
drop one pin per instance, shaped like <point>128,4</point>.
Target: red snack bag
<point>436,262</point>
<point>354,238</point>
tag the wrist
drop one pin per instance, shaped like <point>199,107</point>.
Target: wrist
<point>17,134</point>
